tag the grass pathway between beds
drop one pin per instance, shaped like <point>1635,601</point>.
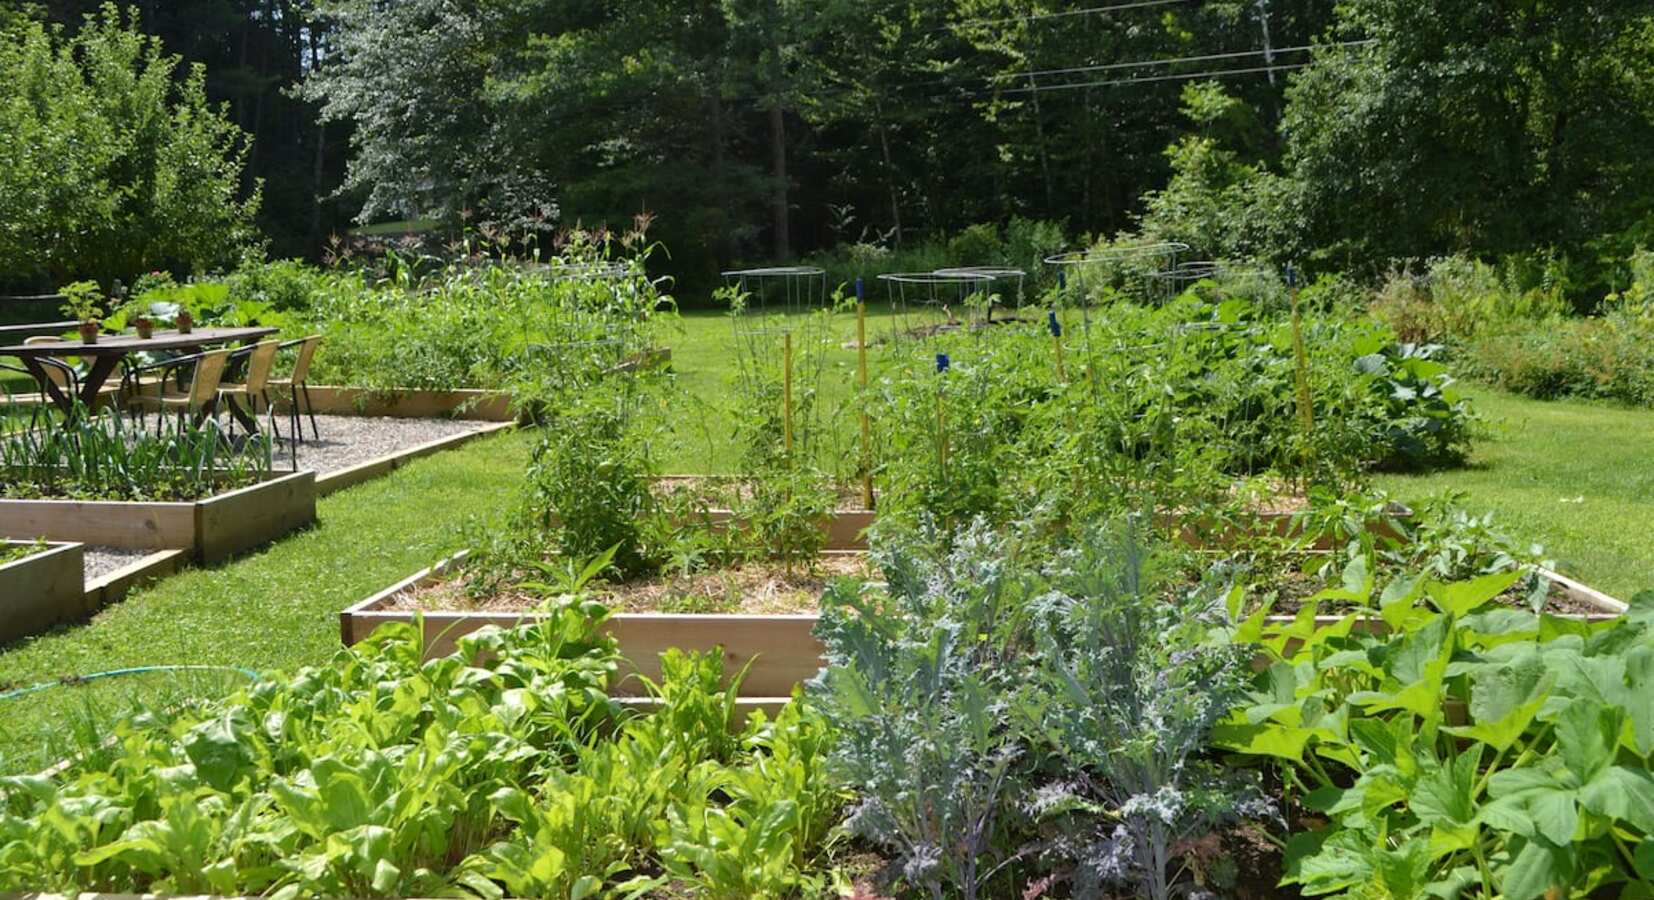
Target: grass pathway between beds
<point>276,609</point>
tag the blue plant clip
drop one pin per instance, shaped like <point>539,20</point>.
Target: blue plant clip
<point>1062,281</point>
<point>858,290</point>
<point>1291,276</point>
<point>1052,324</point>
<point>942,363</point>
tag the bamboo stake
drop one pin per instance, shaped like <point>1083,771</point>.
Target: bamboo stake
<point>1306,411</point>
<point>866,425</point>
<point>787,394</point>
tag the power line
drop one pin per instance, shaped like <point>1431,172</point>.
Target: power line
<point>1209,57</point>
<point>1120,81</point>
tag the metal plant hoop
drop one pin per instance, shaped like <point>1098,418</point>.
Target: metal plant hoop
<point>1094,256</point>
<point>799,287</point>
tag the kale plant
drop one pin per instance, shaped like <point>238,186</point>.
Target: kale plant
<point>1131,679</point>
<point>923,687</point>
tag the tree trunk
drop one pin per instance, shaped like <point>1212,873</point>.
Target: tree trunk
<point>778,162</point>
<point>890,179</point>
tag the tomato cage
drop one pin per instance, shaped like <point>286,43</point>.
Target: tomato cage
<point>1089,276</point>
<point>926,304</point>
<point>1006,283</point>
<point>779,289</point>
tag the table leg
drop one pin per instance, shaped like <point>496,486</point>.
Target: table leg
<point>247,420</point>
<point>102,366</point>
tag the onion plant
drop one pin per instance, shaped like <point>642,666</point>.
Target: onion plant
<point>106,458</point>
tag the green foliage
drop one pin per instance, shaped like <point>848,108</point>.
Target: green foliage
<point>1536,788</point>
<point>122,165</point>
<point>1163,406</point>
<point>589,480</point>
<point>1457,299</point>
<point>83,301</point>
<point>487,771</point>
<point>922,689</point>
<point>1610,357</point>
<point>12,551</point>
<point>1128,688</point>
<point>1001,716</point>
<point>86,457</point>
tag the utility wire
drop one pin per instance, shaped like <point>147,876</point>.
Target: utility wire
<point>1209,57</point>
<point>1218,73</point>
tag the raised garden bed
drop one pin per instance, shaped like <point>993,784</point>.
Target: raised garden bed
<point>405,403</point>
<point>348,454</point>
<point>846,527</point>
<point>781,647</point>
<point>213,529</point>
<point>41,589</point>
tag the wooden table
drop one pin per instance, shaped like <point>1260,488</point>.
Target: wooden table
<point>110,349</point>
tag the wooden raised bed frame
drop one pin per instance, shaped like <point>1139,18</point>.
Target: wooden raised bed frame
<point>783,649</point>
<point>214,529</point>
<point>404,403</point>
<point>42,590</point>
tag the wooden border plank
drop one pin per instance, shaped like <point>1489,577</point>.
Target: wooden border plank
<point>42,590</point>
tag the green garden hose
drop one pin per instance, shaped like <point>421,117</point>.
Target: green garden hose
<point>72,680</point>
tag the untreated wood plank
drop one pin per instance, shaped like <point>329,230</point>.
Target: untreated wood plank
<point>485,406</point>
<point>113,587</point>
<point>129,526</point>
<point>241,520</point>
<point>42,590</point>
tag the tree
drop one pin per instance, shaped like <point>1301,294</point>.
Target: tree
<point>113,166</point>
<point>1479,126</point>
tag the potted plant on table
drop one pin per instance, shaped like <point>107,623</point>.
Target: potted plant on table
<point>142,318</point>
<point>83,301</point>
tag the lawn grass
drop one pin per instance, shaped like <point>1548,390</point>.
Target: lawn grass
<point>1575,477</point>
<point>703,346</point>
<point>276,609</point>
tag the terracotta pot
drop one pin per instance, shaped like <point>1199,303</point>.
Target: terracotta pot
<point>146,329</point>
<point>89,332</point>
<point>185,322</point>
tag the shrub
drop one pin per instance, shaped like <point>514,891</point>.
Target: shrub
<point>121,164</point>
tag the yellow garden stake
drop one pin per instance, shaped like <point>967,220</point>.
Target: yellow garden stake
<point>787,395</point>
<point>1055,327</point>
<point>1306,412</point>
<point>866,424</point>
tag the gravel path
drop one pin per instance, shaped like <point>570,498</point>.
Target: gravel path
<point>351,440</point>
<point>101,561</point>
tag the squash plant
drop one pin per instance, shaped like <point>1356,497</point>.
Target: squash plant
<point>1473,751</point>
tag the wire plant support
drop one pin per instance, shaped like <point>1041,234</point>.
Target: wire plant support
<point>785,289</point>
<point>925,304</point>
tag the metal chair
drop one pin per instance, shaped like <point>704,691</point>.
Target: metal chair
<point>298,381</point>
<point>261,359</point>
<point>60,372</point>
<point>199,401</point>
